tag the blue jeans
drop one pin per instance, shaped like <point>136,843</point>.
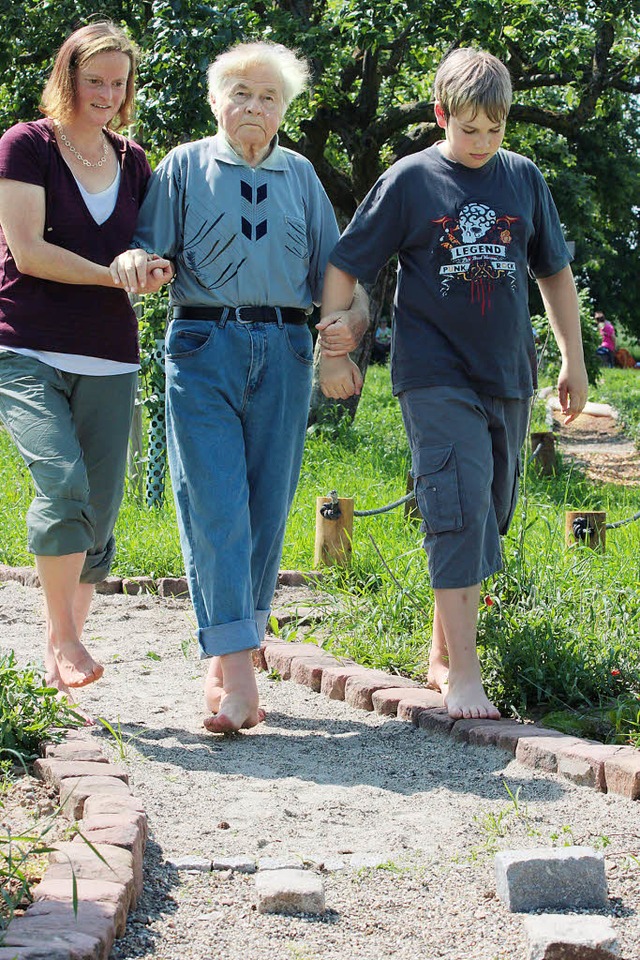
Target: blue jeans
<point>237,406</point>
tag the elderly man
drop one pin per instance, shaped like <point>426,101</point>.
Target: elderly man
<point>249,229</point>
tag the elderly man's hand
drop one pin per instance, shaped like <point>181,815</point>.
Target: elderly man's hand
<point>339,378</point>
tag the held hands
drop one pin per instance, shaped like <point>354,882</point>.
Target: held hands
<point>339,377</point>
<point>573,387</point>
<point>337,334</point>
<point>137,271</point>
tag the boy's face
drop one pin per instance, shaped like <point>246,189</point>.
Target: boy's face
<point>471,140</point>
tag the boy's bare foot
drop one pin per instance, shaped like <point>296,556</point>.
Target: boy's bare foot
<point>468,701</point>
<point>438,673</point>
<point>76,666</point>
<point>235,714</point>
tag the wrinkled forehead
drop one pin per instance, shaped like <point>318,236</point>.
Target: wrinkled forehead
<point>262,77</point>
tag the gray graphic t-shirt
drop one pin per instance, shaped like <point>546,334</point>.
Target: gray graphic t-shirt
<point>466,241</point>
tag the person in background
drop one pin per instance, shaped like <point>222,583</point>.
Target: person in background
<point>607,349</point>
<point>249,229</point>
<point>70,191</point>
<point>381,342</point>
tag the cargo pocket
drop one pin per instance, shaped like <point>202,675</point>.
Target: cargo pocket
<point>437,492</point>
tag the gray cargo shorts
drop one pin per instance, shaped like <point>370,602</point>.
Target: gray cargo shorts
<point>465,450</point>
<point>72,431</point>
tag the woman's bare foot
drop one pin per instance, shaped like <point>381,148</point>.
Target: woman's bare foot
<point>233,716</point>
<point>76,666</point>
<point>438,673</point>
<point>467,700</point>
<point>53,679</point>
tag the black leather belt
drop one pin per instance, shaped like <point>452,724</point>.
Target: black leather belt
<point>241,314</point>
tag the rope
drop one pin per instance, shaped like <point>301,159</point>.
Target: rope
<point>622,523</point>
<point>535,453</point>
<point>331,511</point>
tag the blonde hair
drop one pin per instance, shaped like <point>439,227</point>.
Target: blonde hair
<point>469,78</point>
<point>59,95</point>
<point>293,69</point>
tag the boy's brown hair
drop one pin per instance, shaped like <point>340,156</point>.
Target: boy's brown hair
<point>476,80</point>
<point>59,95</point>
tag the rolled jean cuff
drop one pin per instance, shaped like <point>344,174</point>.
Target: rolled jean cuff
<point>225,638</point>
<point>262,619</point>
<point>59,527</point>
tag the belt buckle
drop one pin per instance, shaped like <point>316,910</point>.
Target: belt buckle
<point>238,313</point>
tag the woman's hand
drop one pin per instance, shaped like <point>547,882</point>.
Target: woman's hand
<point>137,271</point>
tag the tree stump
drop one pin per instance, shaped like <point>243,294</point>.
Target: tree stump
<point>587,527</point>
<point>333,535</point>
<point>545,459</point>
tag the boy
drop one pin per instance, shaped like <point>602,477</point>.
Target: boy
<point>467,220</point>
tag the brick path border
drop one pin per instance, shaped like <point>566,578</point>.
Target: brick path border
<point>97,793</point>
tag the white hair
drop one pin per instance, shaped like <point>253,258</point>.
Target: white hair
<point>293,70</point>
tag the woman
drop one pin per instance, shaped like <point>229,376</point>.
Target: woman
<point>70,190</point>
<point>249,229</point>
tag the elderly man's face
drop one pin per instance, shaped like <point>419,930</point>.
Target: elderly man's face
<point>250,111</point>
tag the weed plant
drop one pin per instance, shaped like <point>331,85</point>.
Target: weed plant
<point>558,629</point>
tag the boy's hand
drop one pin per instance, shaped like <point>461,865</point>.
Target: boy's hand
<point>339,378</point>
<point>573,387</point>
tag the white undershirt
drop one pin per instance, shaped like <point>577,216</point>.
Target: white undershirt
<point>101,206</point>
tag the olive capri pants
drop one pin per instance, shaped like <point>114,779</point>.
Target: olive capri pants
<point>72,431</point>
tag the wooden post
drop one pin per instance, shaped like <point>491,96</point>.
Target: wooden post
<point>333,537</point>
<point>545,459</point>
<point>587,527</point>
<point>411,508</point>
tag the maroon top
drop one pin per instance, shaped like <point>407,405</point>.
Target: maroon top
<point>40,314</point>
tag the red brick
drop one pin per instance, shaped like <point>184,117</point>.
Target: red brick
<point>55,771</point>
<point>297,578</point>
<point>109,586</point>
<point>108,891</point>
<point>258,657</point>
<point>111,805</point>
<point>462,728</point>
<point>97,919</point>
<point>583,762</point>
<point>359,689</point>
<point>135,585</point>
<point>117,865</point>
<point>414,703</point>
<point>541,752</point>
<point>387,701</point>
<point>506,734</point>
<point>429,719</point>
<point>622,774</point>
<point>309,670</point>
<point>79,750</point>
<point>57,933</point>
<point>279,655</point>
<point>173,587</point>
<point>38,952</point>
<point>334,679</point>
<point>75,790</point>
<point>122,831</point>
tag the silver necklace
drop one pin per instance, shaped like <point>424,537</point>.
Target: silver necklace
<point>76,153</point>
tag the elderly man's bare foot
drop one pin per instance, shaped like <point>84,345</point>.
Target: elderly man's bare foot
<point>236,713</point>
<point>468,701</point>
<point>213,685</point>
<point>76,666</point>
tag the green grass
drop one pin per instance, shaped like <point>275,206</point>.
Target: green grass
<point>560,631</point>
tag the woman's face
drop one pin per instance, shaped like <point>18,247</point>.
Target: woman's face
<point>250,110</point>
<point>101,87</point>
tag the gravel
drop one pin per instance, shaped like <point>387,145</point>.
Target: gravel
<point>401,824</point>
